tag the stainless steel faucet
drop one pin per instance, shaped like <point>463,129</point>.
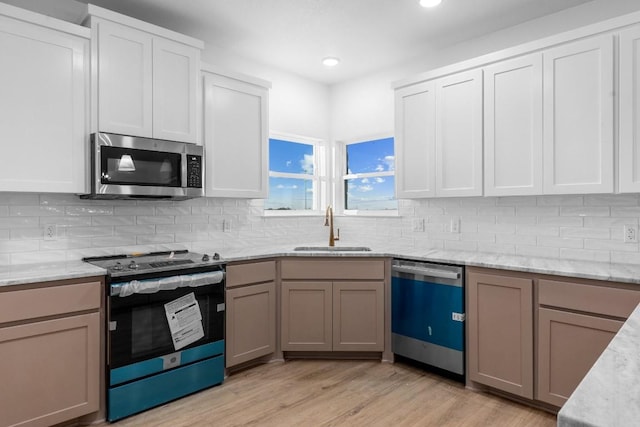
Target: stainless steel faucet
<point>328,222</point>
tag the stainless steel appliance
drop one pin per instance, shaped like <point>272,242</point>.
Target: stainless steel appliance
<point>127,167</point>
<point>165,328</point>
<point>427,314</point>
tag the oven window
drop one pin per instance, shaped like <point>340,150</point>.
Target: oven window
<point>139,327</point>
<point>127,166</point>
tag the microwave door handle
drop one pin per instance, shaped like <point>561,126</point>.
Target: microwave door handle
<point>183,171</point>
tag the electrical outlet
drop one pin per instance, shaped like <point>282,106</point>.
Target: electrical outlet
<point>630,233</point>
<point>226,225</point>
<point>455,225</point>
<point>50,232</point>
<point>418,224</point>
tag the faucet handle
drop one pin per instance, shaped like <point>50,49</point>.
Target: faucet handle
<point>337,236</point>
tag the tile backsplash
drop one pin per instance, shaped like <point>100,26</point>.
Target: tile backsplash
<point>588,227</point>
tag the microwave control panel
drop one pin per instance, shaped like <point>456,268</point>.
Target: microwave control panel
<point>194,171</point>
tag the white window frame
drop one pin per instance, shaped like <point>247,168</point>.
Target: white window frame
<point>319,178</point>
<point>341,176</point>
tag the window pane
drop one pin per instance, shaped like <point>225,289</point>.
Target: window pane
<point>370,193</point>
<point>289,193</point>
<point>291,157</point>
<point>370,156</point>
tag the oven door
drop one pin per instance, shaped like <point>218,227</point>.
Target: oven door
<point>139,322</point>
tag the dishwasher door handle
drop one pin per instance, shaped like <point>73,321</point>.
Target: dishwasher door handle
<point>425,271</point>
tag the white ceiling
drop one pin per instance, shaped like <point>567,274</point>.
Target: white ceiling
<point>368,35</point>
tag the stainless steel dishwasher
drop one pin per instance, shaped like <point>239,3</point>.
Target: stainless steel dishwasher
<point>427,313</point>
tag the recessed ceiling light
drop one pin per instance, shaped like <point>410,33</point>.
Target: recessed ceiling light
<point>430,3</point>
<point>330,61</point>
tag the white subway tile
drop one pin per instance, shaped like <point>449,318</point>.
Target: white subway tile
<point>206,210</point>
<point>5,259</point>
<point>633,212</point>
<point>560,200</point>
<point>173,210</point>
<point>67,221</point>
<point>89,210</point>
<point>560,242</point>
<point>113,220</point>
<point>135,229</point>
<point>428,211</point>
<point>143,219</point>
<point>10,246</point>
<point>155,239</point>
<point>497,228</point>
<point>501,211</point>
<point>26,233</point>
<point>625,257</point>
<point>19,199</point>
<point>89,232</point>
<point>538,211</point>
<point>192,219</point>
<point>113,241</point>
<point>478,237</point>
<point>585,211</point>
<point>537,251</point>
<point>19,222</point>
<point>537,230</point>
<point>444,203</point>
<point>585,232</point>
<point>610,245</point>
<point>467,246</point>
<point>173,228</point>
<point>516,220</point>
<point>605,222</point>
<point>21,210</point>
<point>560,221</point>
<point>611,200</point>
<point>498,248</point>
<point>63,199</point>
<point>516,201</point>
<point>38,257</point>
<point>516,239</point>
<point>134,210</point>
<point>62,244</point>
<point>476,202</point>
<point>4,210</point>
<point>5,234</point>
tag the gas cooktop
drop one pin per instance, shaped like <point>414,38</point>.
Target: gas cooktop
<point>127,265</point>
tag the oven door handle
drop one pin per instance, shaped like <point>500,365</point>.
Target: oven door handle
<point>425,271</point>
<point>151,286</point>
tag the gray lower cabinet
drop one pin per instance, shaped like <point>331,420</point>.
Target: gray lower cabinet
<point>332,305</point>
<point>250,312</point>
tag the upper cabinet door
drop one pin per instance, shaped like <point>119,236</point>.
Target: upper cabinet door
<point>459,134</point>
<point>43,108</point>
<point>175,78</point>
<point>513,127</point>
<point>124,80</point>
<point>629,160</point>
<point>578,117</point>
<point>236,137</point>
<point>415,141</point>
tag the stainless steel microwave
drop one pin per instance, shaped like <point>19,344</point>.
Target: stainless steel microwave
<point>128,167</point>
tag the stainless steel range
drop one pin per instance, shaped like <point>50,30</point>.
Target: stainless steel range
<point>165,327</point>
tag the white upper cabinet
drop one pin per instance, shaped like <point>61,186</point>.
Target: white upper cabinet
<point>439,137</point>
<point>578,117</point>
<point>146,79</point>
<point>236,136</point>
<point>513,127</point>
<point>415,147</point>
<point>125,97</point>
<point>629,160</point>
<point>459,134</point>
<point>43,103</point>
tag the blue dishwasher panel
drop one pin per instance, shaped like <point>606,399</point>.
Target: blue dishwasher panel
<point>424,311</point>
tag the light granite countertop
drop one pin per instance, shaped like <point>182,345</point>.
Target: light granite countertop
<point>629,273</point>
<point>609,395</point>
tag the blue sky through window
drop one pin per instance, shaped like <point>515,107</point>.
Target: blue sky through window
<point>374,192</point>
<point>287,193</point>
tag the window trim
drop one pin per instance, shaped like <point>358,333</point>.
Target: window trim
<point>341,176</point>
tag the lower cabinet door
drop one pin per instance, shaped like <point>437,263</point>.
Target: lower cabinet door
<point>251,323</point>
<point>306,316</point>
<point>500,332</point>
<point>49,371</point>
<point>568,346</point>
<point>358,316</point>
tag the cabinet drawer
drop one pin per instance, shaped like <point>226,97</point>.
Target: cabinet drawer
<point>332,269</point>
<point>589,298</point>
<point>49,301</point>
<point>256,272</point>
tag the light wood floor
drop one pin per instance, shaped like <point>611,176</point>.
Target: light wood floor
<point>339,393</point>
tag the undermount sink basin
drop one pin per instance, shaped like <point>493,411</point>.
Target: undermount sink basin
<point>332,248</point>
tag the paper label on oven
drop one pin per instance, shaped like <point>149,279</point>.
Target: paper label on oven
<point>185,320</point>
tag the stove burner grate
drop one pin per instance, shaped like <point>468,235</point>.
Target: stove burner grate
<point>169,263</point>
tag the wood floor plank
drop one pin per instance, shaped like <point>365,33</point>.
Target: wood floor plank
<point>340,393</point>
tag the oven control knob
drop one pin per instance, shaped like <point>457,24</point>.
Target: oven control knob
<point>117,266</point>
<point>205,257</point>
<point>216,256</point>
<point>133,265</point>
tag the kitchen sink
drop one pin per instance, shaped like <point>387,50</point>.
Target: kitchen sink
<point>333,249</point>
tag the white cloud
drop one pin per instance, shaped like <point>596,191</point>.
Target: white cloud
<point>390,162</point>
<point>365,188</point>
<point>380,168</point>
<point>288,163</point>
<point>279,186</point>
<point>364,180</point>
<point>379,180</point>
<point>307,163</point>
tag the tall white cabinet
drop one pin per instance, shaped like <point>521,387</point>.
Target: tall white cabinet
<point>236,134</point>
<point>629,165</point>
<point>43,102</point>
<point>439,137</point>
<point>513,127</point>
<point>146,78</point>
<point>578,117</point>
